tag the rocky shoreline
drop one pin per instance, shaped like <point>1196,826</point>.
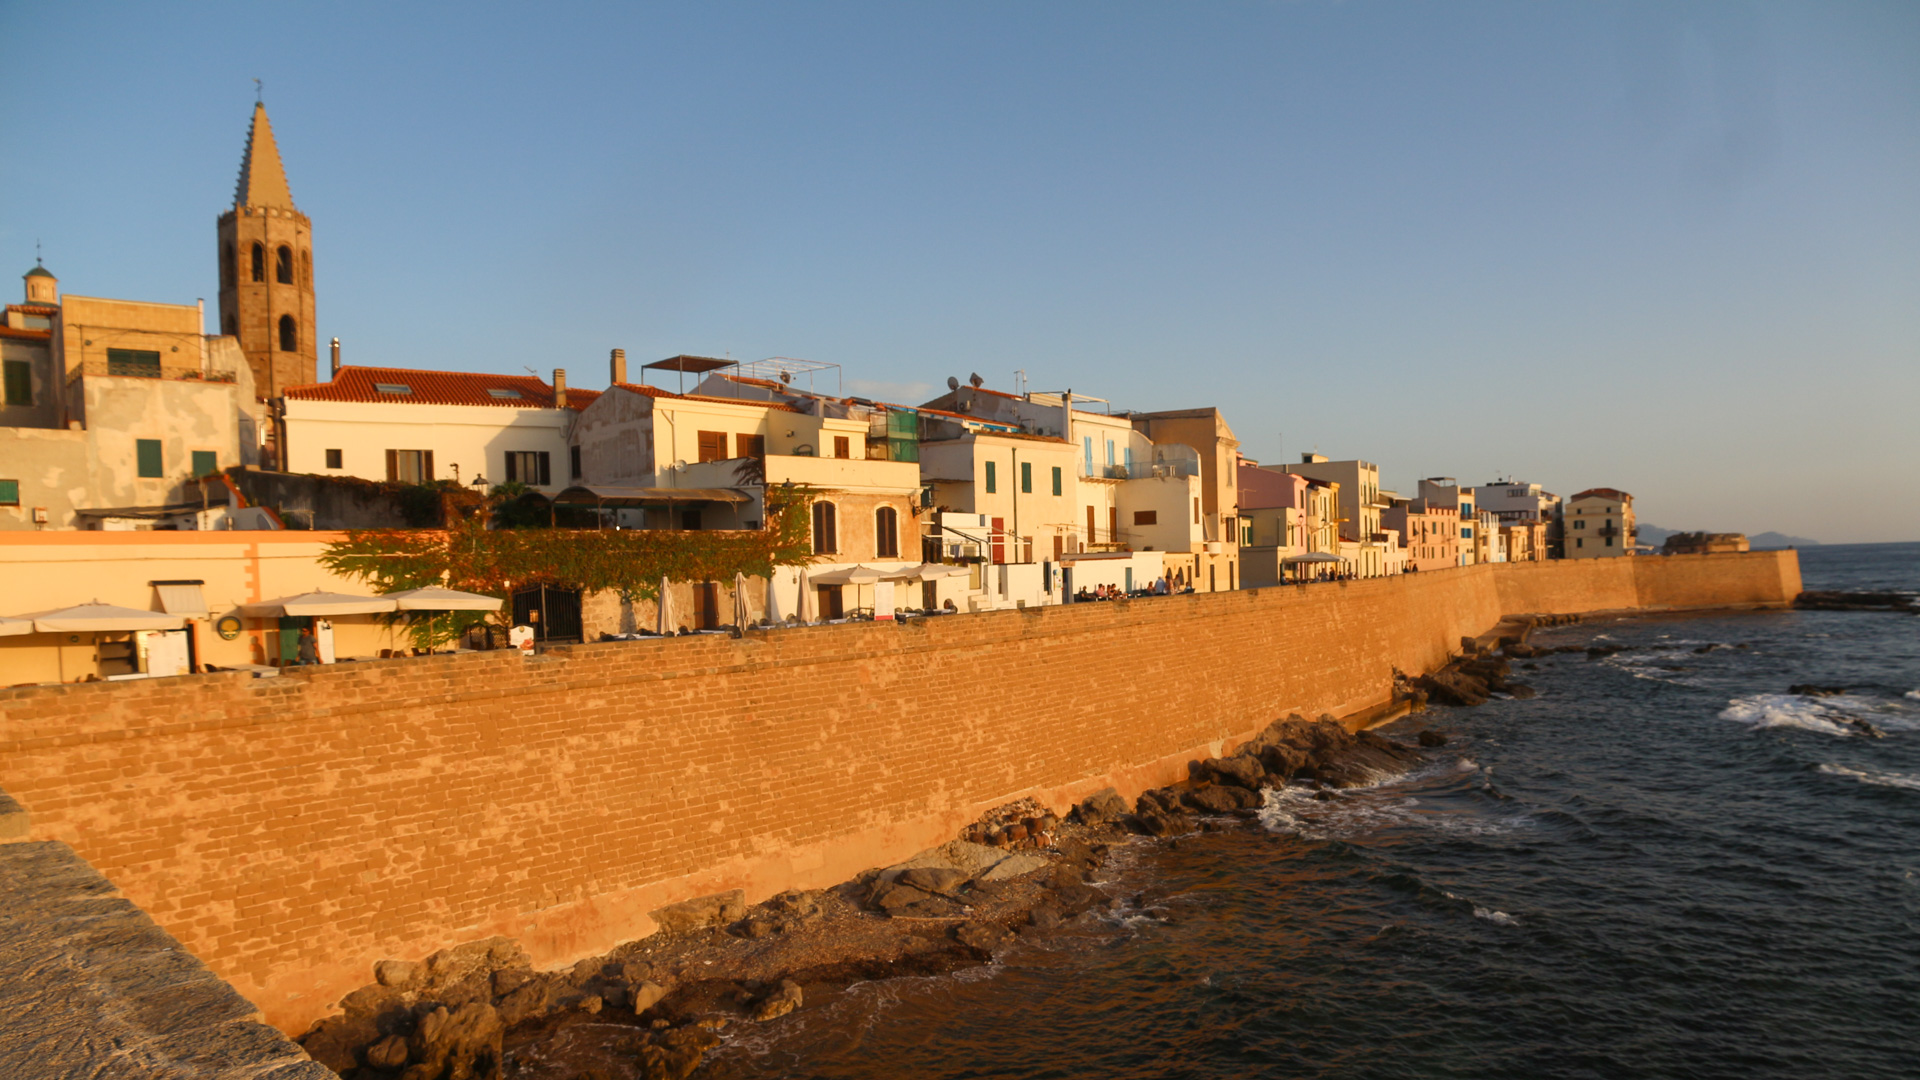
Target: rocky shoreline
<point>657,1005</point>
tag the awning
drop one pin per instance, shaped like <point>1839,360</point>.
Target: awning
<point>181,598</point>
<point>1313,557</point>
<point>87,618</point>
<point>434,598</point>
<point>600,495</point>
<point>319,603</point>
<point>10,627</point>
<point>926,572</point>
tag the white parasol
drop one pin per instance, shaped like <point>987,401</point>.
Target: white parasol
<point>740,614</point>
<point>86,618</point>
<point>663,623</point>
<point>319,603</point>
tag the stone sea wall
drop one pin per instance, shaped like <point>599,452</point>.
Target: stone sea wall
<point>291,832</point>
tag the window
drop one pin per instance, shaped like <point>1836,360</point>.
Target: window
<point>334,458</point>
<point>1109,453</point>
<point>713,445</point>
<point>283,265</point>
<point>826,539</point>
<point>842,447</point>
<point>392,388</point>
<point>1127,459</point>
<point>1026,478</point>
<point>1087,444</point>
<point>993,484</point>
<point>1579,524</point>
<point>20,382</point>
<point>690,520</point>
<point>1609,541</point>
<point>259,262</point>
<point>143,363</point>
<point>1196,511</point>
<point>749,446</point>
<point>146,454</point>
<point>1146,517</point>
<point>289,334</point>
<point>9,493</point>
<point>529,467</point>
<point>886,533</point>
<point>1056,481</point>
<point>409,466</point>
<point>573,462</point>
<point>502,393</point>
<point>205,463</point>
<point>1579,542</point>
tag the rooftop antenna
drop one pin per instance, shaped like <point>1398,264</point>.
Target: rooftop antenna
<point>1020,381</point>
<point>37,261</point>
<point>259,88</point>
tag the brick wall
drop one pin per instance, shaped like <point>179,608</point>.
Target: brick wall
<point>292,831</point>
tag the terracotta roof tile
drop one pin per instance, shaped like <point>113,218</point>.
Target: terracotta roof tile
<point>438,388</point>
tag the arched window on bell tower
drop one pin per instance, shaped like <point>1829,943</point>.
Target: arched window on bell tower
<point>283,265</point>
<point>259,262</point>
<point>289,334</point>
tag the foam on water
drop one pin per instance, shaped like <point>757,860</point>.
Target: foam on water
<point>1497,918</point>
<point>1839,716</point>
<point>1358,812</point>
<point>1914,694</point>
<point>1876,777</point>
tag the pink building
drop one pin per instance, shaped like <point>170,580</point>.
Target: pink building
<point>1429,532</point>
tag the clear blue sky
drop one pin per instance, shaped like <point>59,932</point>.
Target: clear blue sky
<point>1671,248</point>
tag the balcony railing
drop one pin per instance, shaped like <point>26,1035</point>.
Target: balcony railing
<point>149,370</point>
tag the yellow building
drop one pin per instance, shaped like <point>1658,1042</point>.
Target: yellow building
<point>1599,524</point>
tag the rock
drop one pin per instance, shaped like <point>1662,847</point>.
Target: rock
<point>1074,899</point>
<point>1282,762</point>
<point>701,912</point>
<point>891,896</point>
<point>1212,799</point>
<point>1014,866</point>
<point>646,995</point>
<point>592,1004</point>
<point>1430,737</point>
<point>1044,917</point>
<point>981,935</point>
<point>507,980</point>
<point>1453,687</point>
<point>781,1002</point>
<point>1246,772</point>
<point>534,998</point>
<point>1159,824</point>
<point>388,1053</point>
<point>461,1045</point>
<point>676,1053</point>
<point>937,880</point>
<point>1522,691</point>
<point>1810,690</point>
<point>797,905</point>
<point>1101,807</point>
<point>395,973</point>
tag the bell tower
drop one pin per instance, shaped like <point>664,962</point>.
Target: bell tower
<point>266,270</point>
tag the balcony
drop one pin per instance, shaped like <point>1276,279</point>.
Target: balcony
<point>1168,461</point>
<point>144,368</point>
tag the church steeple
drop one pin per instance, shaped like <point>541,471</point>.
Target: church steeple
<point>266,269</point>
<point>263,181</point>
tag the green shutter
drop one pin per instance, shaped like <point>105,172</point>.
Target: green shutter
<point>1026,478</point>
<point>1056,480</point>
<point>991,486</point>
<point>9,493</point>
<point>19,383</point>
<point>205,463</point>
<point>146,453</point>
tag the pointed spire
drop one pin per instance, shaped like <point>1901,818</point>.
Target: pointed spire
<point>262,180</point>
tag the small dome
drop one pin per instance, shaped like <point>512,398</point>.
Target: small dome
<point>38,271</point>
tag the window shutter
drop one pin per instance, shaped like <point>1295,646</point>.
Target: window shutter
<point>426,466</point>
<point>1056,480</point>
<point>513,466</point>
<point>147,458</point>
<point>393,466</point>
<point>546,469</point>
<point>573,461</point>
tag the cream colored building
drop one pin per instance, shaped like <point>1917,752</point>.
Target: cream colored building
<point>1363,542</point>
<point>1599,524</point>
<point>410,426</point>
<point>113,408</point>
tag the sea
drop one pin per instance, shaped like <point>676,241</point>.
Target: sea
<point>1665,865</point>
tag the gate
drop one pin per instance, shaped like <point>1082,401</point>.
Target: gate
<point>554,613</point>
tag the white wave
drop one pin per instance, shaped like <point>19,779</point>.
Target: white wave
<point>1914,694</point>
<point>1360,812</point>
<point>1827,716</point>
<point>1876,777</point>
<point>1497,918</point>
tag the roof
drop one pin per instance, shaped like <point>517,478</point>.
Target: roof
<point>437,388</point>
<point>656,392</point>
<point>29,335</point>
<point>689,363</point>
<point>38,271</point>
<point>1605,493</point>
<point>263,182</point>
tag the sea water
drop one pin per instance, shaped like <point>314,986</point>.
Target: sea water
<point>1665,865</point>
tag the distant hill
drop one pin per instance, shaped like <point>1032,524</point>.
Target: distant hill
<point>1654,536</point>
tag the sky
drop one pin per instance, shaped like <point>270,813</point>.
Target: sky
<point>1672,249</point>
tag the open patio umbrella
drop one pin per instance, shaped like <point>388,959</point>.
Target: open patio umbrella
<point>1313,557</point>
<point>740,614</point>
<point>927,572</point>
<point>319,603</point>
<point>10,626</point>
<point>806,607</point>
<point>852,575</point>
<point>434,598</point>
<point>86,618</point>
<point>663,621</point>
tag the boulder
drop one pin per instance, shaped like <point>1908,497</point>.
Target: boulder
<point>933,879</point>
<point>1014,866</point>
<point>981,935</point>
<point>462,1045</point>
<point>1430,737</point>
<point>1810,690</point>
<point>1449,686</point>
<point>1281,762</point>
<point>646,995</point>
<point>1522,691</point>
<point>1240,771</point>
<point>1159,824</point>
<point>507,980</point>
<point>395,973</point>
<point>1074,899</point>
<point>535,998</point>
<point>1212,799</point>
<point>676,1053</point>
<point>388,1053</point>
<point>701,912</point>
<point>1101,807</point>
<point>891,896</point>
<point>782,1001</point>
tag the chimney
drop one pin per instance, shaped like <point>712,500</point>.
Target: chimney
<point>559,388</point>
<point>619,366</point>
<point>336,358</point>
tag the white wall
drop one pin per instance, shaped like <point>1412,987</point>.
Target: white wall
<point>477,438</point>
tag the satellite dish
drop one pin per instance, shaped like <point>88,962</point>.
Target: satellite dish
<point>953,383</point>
<point>679,465</point>
<point>786,377</point>
<point>975,379</point>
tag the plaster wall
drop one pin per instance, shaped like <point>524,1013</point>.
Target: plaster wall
<point>476,438</point>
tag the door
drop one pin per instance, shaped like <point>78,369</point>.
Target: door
<point>999,540</point>
<point>706,603</point>
<point>554,613</point>
<point>166,652</point>
<point>930,595</point>
<point>830,603</point>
